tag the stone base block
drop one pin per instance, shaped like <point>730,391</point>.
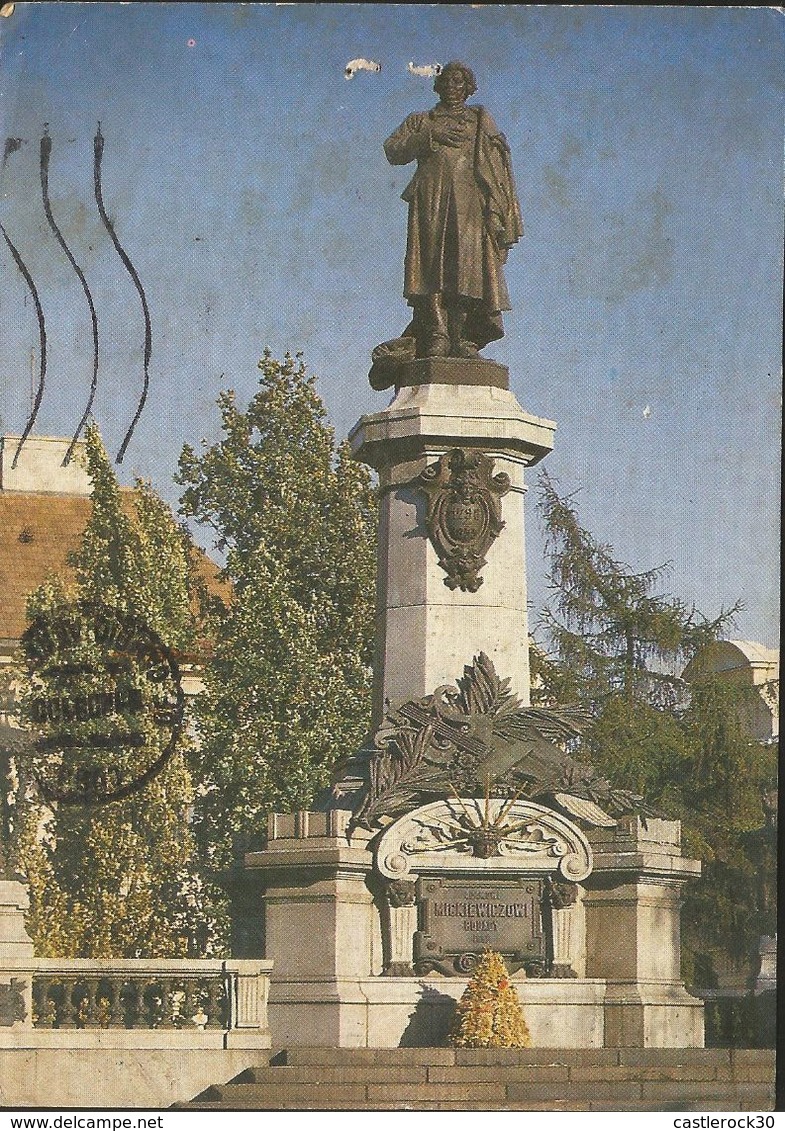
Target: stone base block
<point>439,371</point>
<point>652,1015</point>
<point>435,416</point>
<point>393,1012</point>
<point>134,1040</point>
<point>115,1077</point>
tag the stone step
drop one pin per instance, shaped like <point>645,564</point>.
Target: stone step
<point>425,1079</point>
<point>493,1073</point>
<point>484,1097</point>
<point>723,1059</point>
<point>759,1104</point>
<point>334,1074</point>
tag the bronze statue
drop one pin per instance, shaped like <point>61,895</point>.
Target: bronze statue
<point>463,218</point>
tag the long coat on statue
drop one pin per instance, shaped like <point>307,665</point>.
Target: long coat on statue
<point>463,214</point>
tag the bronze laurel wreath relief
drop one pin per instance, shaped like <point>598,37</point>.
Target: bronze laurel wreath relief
<point>464,513</point>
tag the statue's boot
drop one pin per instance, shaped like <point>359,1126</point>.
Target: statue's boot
<point>460,346</point>
<point>438,338</point>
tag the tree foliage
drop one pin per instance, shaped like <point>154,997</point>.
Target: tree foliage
<point>616,644</point>
<point>111,879</point>
<point>288,687</point>
<point>612,631</point>
<point>729,811</point>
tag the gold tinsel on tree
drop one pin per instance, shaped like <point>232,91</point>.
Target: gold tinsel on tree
<point>489,1014</point>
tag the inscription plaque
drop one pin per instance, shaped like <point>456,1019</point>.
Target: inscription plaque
<point>458,919</point>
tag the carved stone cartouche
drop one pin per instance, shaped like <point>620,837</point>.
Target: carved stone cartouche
<point>464,513</point>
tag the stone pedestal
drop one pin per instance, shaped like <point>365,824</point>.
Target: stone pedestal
<point>340,931</point>
<point>16,957</point>
<point>332,929</point>
<point>632,903</point>
<point>320,924</point>
<point>341,916</point>
<point>349,919</point>
<point>425,631</point>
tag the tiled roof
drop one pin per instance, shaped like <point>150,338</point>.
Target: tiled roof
<point>37,532</point>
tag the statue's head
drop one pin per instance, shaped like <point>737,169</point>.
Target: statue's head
<point>448,78</point>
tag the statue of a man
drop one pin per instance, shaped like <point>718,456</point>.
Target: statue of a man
<point>463,217</point>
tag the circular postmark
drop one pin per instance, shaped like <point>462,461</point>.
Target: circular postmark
<point>104,703</point>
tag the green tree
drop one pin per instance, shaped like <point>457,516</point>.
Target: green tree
<point>617,646</point>
<point>288,687</point>
<point>113,879</point>
<point>729,809</point>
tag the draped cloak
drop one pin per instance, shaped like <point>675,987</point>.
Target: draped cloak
<point>463,215</point>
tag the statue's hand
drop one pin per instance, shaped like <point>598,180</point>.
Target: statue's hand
<point>453,136</point>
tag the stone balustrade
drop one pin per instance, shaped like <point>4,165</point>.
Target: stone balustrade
<point>123,1031</point>
<point>127,1032</point>
<point>124,1003</point>
<point>83,995</point>
<point>162,994</point>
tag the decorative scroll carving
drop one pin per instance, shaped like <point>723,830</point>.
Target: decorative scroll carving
<point>464,513</point>
<point>483,836</point>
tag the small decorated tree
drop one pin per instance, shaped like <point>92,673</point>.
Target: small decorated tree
<point>489,1014</point>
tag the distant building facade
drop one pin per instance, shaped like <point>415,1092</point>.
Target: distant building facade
<point>44,509</point>
<point>745,663</point>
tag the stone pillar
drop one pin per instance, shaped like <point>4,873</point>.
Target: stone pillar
<point>14,939</point>
<point>321,924</point>
<point>16,957</point>
<point>400,922</point>
<point>632,903</point>
<point>426,632</point>
<point>251,979</point>
<point>569,957</point>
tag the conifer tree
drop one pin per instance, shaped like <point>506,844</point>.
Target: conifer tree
<point>489,1014</point>
<point>617,645</point>
<point>728,795</point>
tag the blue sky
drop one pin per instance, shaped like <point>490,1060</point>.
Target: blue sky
<point>246,178</point>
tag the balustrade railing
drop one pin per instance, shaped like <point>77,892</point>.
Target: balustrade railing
<point>165,994</point>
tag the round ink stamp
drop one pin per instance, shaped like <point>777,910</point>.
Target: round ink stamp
<point>104,703</point>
